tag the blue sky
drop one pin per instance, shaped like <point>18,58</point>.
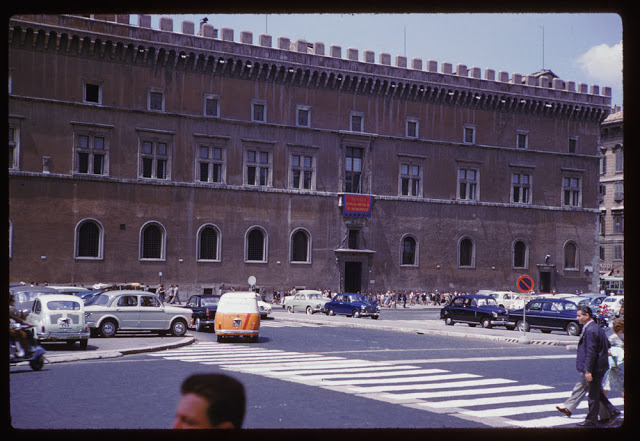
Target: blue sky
<point>585,48</point>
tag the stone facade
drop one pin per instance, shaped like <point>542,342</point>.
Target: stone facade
<point>612,196</point>
<point>142,155</point>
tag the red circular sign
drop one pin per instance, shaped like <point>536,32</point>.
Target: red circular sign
<point>525,283</point>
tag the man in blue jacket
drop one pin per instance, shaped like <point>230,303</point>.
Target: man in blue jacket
<point>592,361</point>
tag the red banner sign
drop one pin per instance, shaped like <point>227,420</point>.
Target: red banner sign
<point>357,205</point>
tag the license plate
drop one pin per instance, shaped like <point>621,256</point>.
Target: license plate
<point>64,324</point>
<point>237,323</point>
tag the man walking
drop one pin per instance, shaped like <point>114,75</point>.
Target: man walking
<point>592,362</point>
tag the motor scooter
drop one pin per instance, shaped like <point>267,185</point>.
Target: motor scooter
<point>35,358</point>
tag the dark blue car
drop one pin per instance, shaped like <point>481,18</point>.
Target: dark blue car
<point>354,305</point>
<point>203,311</point>
<point>547,315</point>
<point>475,309</point>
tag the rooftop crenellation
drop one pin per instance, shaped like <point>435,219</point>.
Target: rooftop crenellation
<point>352,59</point>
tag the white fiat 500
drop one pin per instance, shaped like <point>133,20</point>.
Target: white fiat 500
<point>59,317</point>
<point>134,310</point>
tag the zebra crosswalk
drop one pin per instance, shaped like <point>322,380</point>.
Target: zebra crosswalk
<point>497,402</point>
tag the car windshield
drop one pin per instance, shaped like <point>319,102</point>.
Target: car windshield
<point>99,300</point>
<point>209,301</point>
<point>314,296</point>
<point>486,302</point>
<point>356,298</point>
<point>67,305</point>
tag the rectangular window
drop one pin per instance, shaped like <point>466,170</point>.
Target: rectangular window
<point>91,154</point>
<point>410,177</point>
<point>521,188</point>
<point>302,171</point>
<point>571,191</point>
<point>155,100</point>
<point>353,169</point>
<point>92,93</point>
<point>617,252</point>
<point>469,135</point>
<point>210,164</point>
<point>522,140</point>
<point>154,160</point>
<point>573,143</point>
<point>211,105</point>
<point>619,161</point>
<point>258,112</point>
<point>258,167</point>
<point>356,122</point>
<point>618,223</point>
<point>303,116</point>
<point>411,128</point>
<point>13,147</point>
<point>468,184</point>
<point>603,165</point>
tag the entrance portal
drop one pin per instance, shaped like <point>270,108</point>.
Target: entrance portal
<point>352,276</point>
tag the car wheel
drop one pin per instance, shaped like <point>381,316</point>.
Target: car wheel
<point>290,309</point>
<point>108,328</point>
<point>309,310</point>
<point>84,343</point>
<point>523,326</point>
<point>355,313</point>
<point>573,329</point>
<point>198,325</point>
<point>219,338</point>
<point>486,323</point>
<point>448,321</point>
<point>330,311</point>
<point>179,328</point>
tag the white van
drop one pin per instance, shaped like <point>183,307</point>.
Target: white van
<point>238,315</point>
<point>59,317</point>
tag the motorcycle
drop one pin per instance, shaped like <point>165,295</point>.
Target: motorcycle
<point>17,355</point>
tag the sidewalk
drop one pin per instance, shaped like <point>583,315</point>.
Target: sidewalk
<point>126,344</point>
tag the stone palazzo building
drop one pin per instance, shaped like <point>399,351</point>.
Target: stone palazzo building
<point>203,156</point>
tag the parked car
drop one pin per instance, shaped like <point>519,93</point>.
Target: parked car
<point>24,296</point>
<point>87,295</point>
<point>307,300</point>
<point>263,307</point>
<point>547,314</point>
<point>59,317</point>
<point>203,311</point>
<point>353,305</point>
<point>238,316</point>
<point>475,309</point>
<point>505,299</point>
<point>112,311</point>
<point>612,304</point>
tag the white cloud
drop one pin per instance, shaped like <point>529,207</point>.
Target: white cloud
<point>603,64</point>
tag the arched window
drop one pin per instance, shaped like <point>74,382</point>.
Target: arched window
<point>570,255</point>
<point>520,254</point>
<point>409,251</point>
<point>208,243</point>
<point>152,246</point>
<point>466,253</point>
<point>300,247</point>
<point>256,245</point>
<point>89,240</point>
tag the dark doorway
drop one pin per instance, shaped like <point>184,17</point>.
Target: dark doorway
<point>352,276</point>
<point>545,282</point>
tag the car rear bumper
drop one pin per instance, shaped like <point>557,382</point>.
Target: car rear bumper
<point>237,332</point>
<point>61,336</point>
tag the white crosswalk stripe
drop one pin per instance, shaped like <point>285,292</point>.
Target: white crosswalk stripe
<point>497,402</point>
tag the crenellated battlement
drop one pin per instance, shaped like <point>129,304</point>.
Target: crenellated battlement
<point>349,69</point>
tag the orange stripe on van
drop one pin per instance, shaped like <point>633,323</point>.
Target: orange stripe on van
<point>247,320</point>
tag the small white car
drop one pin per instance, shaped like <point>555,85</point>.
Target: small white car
<point>505,299</point>
<point>134,310</point>
<point>307,300</point>
<point>59,317</point>
<point>264,307</point>
<point>612,303</point>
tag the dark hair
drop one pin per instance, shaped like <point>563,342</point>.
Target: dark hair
<point>585,310</point>
<point>225,395</point>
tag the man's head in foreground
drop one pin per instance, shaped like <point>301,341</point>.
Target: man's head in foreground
<point>210,401</point>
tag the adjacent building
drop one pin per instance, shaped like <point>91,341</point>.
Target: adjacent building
<point>202,157</point>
